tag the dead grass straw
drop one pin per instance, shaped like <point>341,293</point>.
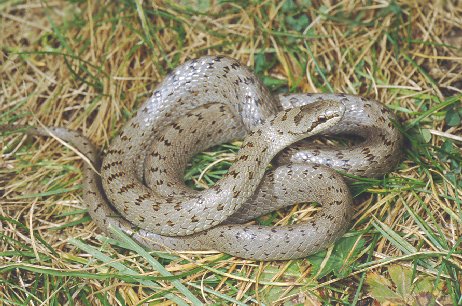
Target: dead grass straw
<point>88,65</point>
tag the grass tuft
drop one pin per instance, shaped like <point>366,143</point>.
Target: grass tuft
<point>88,67</point>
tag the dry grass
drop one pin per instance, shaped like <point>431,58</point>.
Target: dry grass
<point>87,66</point>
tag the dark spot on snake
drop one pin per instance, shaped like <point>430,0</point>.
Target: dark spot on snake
<point>298,117</point>
<point>141,198</point>
<point>114,163</point>
<point>126,188</point>
<point>115,175</point>
<point>248,80</point>
<point>233,173</point>
<point>114,152</point>
<point>216,188</point>
<point>365,150</point>
<point>258,161</point>
<point>337,202</point>
<point>243,157</point>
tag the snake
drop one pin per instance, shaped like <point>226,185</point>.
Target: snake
<point>139,187</point>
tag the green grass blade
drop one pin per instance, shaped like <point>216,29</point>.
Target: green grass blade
<point>121,268</point>
<point>155,264</point>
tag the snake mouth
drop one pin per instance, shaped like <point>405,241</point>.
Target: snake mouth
<point>317,125</point>
<point>328,113</point>
<point>321,120</point>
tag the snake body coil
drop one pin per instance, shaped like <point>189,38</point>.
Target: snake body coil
<point>212,100</point>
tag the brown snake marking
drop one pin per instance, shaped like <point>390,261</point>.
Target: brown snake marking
<point>212,100</point>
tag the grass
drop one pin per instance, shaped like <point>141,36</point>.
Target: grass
<point>88,67</point>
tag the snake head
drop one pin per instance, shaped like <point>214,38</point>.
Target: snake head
<point>307,120</point>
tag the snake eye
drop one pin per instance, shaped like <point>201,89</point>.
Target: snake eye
<point>322,119</point>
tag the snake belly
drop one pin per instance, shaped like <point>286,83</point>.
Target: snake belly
<point>212,100</point>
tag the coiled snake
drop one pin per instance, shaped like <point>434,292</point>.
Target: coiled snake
<point>211,100</point>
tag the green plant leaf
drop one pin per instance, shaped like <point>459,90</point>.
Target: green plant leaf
<point>408,291</point>
<point>293,273</point>
<point>425,135</point>
<point>298,23</point>
<point>380,289</point>
<point>341,260</point>
<point>423,285</point>
<point>402,278</point>
<point>453,118</point>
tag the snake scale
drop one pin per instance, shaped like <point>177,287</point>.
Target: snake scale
<point>212,100</point>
